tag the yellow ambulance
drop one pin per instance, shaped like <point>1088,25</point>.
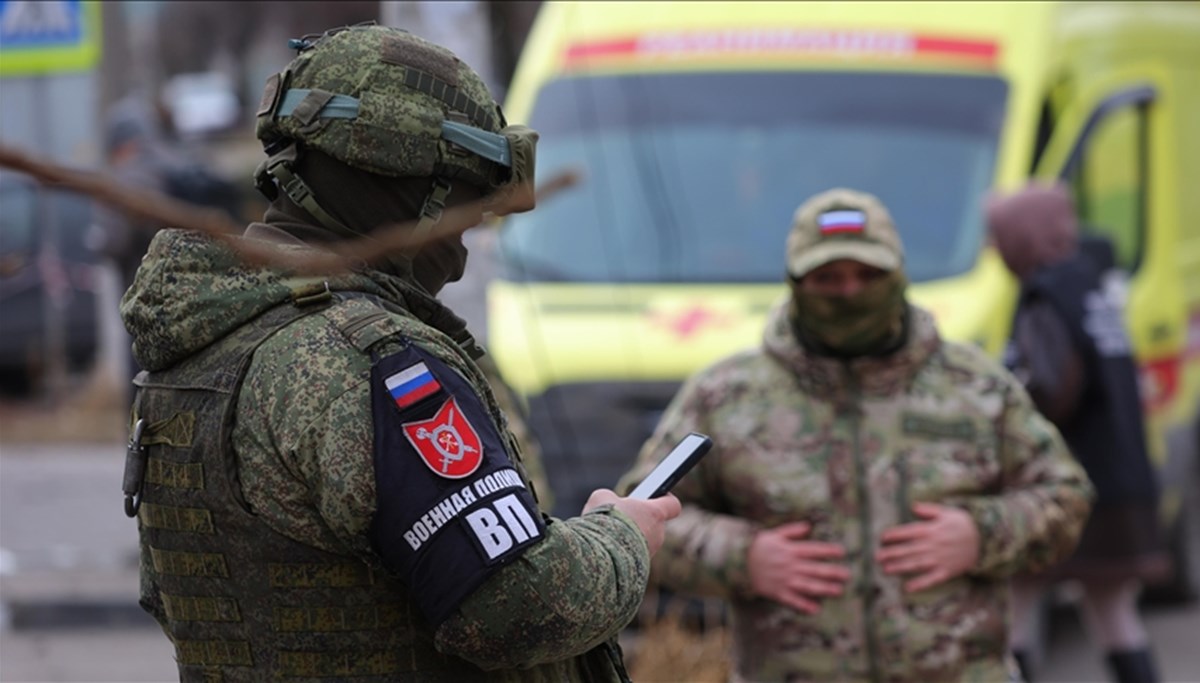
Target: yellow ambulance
<point>694,129</point>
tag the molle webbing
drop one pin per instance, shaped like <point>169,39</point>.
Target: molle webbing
<point>176,475</point>
<point>175,518</point>
<point>341,664</point>
<point>430,72</point>
<point>329,619</point>
<point>213,653</point>
<point>189,564</point>
<point>240,601</point>
<point>323,575</point>
<point>405,53</point>
<point>190,608</point>
<point>449,95</point>
<point>176,430</point>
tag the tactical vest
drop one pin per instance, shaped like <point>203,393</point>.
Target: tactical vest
<point>1106,433</point>
<point>239,601</point>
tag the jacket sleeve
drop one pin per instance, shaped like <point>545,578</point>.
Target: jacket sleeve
<point>564,595</point>
<point>704,551</point>
<point>1050,366</point>
<point>561,598</point>
<point>1045,497</point>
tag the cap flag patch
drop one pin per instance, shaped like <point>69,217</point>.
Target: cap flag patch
<point>832,222</point>
<point>411,385</point>
<point>447,442</point>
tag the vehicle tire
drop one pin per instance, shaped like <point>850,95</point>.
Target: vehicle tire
<point>1183,544</point>
<point>16,382</point>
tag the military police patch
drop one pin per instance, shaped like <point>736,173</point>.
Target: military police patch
<point>447,442</point>
<point>450,507</point>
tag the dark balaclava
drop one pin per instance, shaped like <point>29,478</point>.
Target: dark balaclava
<point>363,202</point>
<point>869,322</point>
<point>843,224</point>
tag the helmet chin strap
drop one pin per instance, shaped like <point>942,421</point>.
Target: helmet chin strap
<point>279,165</point>
<point>431,212</point>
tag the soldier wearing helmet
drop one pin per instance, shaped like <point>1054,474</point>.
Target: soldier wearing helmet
<point>324,484</point>
<point>871,486</point>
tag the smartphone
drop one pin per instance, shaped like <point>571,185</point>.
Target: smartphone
<point>672,468</point>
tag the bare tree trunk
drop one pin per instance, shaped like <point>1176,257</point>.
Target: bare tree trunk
<point>117,75</point>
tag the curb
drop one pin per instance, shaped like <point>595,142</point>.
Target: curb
<point>71,599</point>
<point>73,615</point>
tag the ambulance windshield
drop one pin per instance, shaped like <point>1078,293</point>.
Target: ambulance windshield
<point>693,177</point>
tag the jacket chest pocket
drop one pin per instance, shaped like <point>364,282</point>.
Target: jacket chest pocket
<point>939,457</point>
<point>783,487</point>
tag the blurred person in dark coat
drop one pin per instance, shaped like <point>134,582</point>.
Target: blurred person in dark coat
<point>1070,349</point>
<point>133,144</point>
<point>141,151</point>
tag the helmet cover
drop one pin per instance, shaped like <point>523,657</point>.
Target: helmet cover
<point>405,88</point>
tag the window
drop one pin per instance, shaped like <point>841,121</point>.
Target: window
<point>693,177</point>
<point>1108,174</point>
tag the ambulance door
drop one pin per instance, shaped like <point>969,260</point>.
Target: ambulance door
<point>1109,146</point>
<point>1112,145</point>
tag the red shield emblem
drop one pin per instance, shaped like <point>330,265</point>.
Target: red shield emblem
<point>447,442</point>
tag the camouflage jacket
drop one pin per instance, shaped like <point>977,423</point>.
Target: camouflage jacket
<point>302,437</point>
<point>849,447</point>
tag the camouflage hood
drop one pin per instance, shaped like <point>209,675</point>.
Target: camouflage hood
<point>826,377</point>
<point>191,290</point>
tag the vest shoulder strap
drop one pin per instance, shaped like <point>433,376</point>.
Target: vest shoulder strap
<point>365,320</point>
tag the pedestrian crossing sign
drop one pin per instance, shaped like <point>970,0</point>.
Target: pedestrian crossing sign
<point>39,37</point>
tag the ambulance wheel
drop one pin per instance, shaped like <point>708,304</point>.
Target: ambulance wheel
<point>1183,544</point>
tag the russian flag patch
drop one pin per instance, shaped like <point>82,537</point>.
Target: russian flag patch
<point>411,385</point>
<point>841,221</point>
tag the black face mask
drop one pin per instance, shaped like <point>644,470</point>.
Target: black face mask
<point>366,201</point>
<point>867,323</point>
<point>440,263</point>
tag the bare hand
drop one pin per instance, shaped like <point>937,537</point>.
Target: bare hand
<point>651,516</point>
<point>792,571</point>
<point>943,547</point>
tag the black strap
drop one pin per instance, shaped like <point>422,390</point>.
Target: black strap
<point>451,96</point>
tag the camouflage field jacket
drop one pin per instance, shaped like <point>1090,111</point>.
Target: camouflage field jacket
<point>849,447</point>
<point>303,442</point>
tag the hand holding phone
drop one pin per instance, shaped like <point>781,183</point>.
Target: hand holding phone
<point>671,469</point>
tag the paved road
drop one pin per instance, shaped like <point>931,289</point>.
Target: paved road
<point>141,654</point>
<point>68,583</point>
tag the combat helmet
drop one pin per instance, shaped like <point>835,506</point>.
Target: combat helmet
<point>388,102</point>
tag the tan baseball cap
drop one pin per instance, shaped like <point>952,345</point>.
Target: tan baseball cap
<point>842,224</point>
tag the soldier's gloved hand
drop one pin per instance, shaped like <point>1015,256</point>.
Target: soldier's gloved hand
<point>941,547</point>
<point>650,515</point>
<point>788,569</point>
